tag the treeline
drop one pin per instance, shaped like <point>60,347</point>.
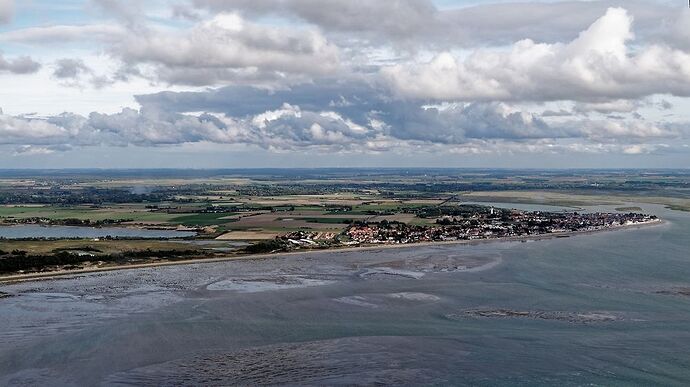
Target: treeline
<point>97,196</point>
<point>66,197</point>
<point>268,246</point>
<point>21,261</point>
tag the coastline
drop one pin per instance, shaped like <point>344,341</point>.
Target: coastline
<point>14,278</point>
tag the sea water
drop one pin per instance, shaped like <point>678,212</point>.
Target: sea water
<point>610,308</point>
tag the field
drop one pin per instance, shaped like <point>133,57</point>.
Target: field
<point>230,209</point>
<point>102,246</point>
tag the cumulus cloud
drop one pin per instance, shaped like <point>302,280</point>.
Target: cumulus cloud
<point>20,130</point>
<point>153,127</point>
<point>421,24</point>
<point>224,49</point>
<point>325,115</point>
<point>599,64</point>
<point>18,65</point>
<point>229,49</point>
<point>392,18</point>
<point>356,77</point>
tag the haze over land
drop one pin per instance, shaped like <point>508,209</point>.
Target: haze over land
<point>207,83</point>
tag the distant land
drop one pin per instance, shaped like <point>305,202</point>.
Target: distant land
<point>62,220</point>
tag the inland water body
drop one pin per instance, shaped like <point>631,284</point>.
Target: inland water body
<point>73,232</point>
<point>611,308</point>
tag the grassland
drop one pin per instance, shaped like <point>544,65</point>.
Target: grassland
<point>251,207</point>
<point>208,219</point>
<point>629,209</point>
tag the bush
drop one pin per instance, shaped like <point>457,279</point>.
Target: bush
<point>264,247</point>
<point>15,262</point>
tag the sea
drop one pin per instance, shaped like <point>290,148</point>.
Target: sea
<point>604,309</point>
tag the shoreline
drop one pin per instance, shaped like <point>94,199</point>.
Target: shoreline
<point>15,278</point>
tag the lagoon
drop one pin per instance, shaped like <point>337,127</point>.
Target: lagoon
<point>73,232</point>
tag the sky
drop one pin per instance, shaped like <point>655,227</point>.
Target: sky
<point>344,83</point>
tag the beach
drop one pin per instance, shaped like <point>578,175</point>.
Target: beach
<point>362,248</point>
<point>587,309</point>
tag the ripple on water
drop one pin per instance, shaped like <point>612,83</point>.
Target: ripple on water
<point>348,361</point>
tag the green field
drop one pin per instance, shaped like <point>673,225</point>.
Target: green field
<point>324,220</point>
<point>209,219</point>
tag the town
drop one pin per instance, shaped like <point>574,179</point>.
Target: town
<point>469,223</point>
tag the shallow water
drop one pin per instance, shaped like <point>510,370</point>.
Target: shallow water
<point>604,309</point>
<point>65,232</point>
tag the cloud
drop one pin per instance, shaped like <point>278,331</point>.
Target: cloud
<point>419,24</point>
<point>665,105</point>
<point>32,150</point>
<point>72,72</point>
<point>639,149</point>
<point>65,33</point>
<point>356,76</point>
<point>227,49</point>
<point>185,12</point>
<point>20,130</point>
<point>556,113</point>
<point>613,106</point>
<point>68,68</point>
<point>18,65</point>
<point>127,11</point>
<point>625,131</point>
<point>328,116</point>
<point>390,18</point>
<point>369,106</point>
<point>674,30</point>
<point>149,127</point>
<point>6,10</point>
<point>599,64</point>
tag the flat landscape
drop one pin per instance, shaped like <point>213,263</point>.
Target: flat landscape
<point>344,193</point>
<point>85,219</point>
<point>313,277</point>
<point>585,310</point>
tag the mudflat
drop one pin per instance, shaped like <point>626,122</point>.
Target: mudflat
<point>578,310</point>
